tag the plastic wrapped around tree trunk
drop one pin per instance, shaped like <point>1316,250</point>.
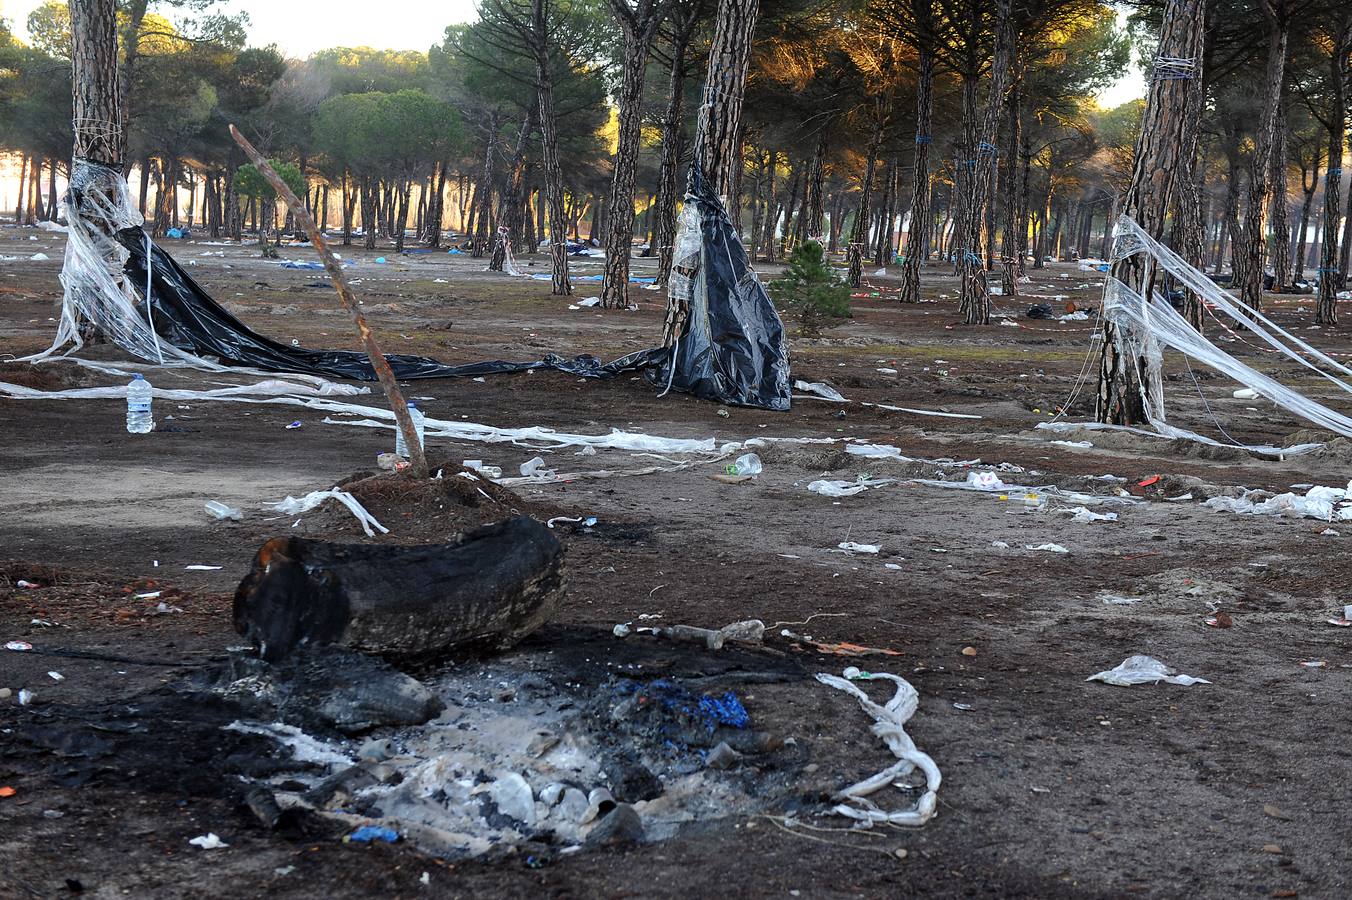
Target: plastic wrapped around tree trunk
<point>142,300</point>
<point>727,339</point>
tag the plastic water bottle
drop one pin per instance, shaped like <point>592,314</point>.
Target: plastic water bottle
<point>400,447</point>
<point>139,420</point>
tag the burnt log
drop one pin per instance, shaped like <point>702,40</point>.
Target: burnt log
<point>487,589</point>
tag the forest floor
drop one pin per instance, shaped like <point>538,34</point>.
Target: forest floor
<point>1052,786</point>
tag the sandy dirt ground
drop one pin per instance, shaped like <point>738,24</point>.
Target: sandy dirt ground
<point>1052,786</point>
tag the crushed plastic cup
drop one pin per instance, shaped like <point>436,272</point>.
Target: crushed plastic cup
<point>746,464</point>
<point>536,467</point>
<point>218,510</point>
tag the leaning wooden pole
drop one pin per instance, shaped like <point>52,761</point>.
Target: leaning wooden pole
<point>404,421</point>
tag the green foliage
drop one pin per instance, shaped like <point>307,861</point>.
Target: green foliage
<point>811,291</point>
<point>251,183</point>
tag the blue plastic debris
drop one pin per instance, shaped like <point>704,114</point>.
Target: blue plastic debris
<point>380,259</point>
<point>174,233</point>
<point>709,711</point>
<point>369,833</point>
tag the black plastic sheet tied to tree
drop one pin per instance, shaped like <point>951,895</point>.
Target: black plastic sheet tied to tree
<point>730,347</point>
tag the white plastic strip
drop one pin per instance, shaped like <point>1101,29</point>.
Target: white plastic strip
<point>889,724</point>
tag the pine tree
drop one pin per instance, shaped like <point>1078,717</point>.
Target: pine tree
<point>810,290</point>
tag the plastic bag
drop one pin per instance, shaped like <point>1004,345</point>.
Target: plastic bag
<point>1141,669</point>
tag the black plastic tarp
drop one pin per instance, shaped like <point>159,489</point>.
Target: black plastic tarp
<point>732,350</point>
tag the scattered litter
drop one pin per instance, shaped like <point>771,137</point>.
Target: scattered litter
<point>208,841</point>
<point>1000,545</point>
<point>1078,445</point>
<point>7,791</point>
<point>887,371</point>
<point>1117,600</point>
<point>369,833</point>
<point>1246,394</point>
<point>149,595</point>
<point>1309,664</point>
<point>829,488</point>
<point>201,568</point>
<point>1330,532</point>
<point>819,389</point>
<point>25,697</point>
<point>969,651</point>
<point>218,510</point>
<point>1049,548</point>
<point>586,522</point>
<point>589,302</point>
<point>1083,514</point>
<point>295,424</point>
<point>889,724</point>
<point>18,645</point>
<point>292,507</point>
<point>39,257</point>
<point>26,584</point>
<point>1324,503</point>
<point>852,547</point>
<point>985,481</point>
<point>1141,669</point>
<point>535,468</point>
<point>1219,620</point>
<point>965,707</point>
<point>1147,482</point>
<point>746,464</point>
<point>56,676</point>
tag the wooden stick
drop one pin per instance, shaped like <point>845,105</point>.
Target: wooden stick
<point>418,462</point>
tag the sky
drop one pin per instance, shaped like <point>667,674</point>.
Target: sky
<point>300,27</point>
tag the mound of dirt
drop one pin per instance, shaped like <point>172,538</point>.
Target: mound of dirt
<point>48,377</point>
<point>418,512</point>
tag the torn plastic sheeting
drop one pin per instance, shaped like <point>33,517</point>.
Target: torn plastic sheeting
<point>1323,503</point>
<point>1013,489</point>
<point>134,292</point>
<point>1046,548</point>
<point>292,506</point>
<point>923,412</point>
<point>727,340</point>
<point>1141,669</point>
<point>889,724</point>
<point>852,547</point>
<point>828,488</point>
<point>1261,449</point>
<point>274,388</point>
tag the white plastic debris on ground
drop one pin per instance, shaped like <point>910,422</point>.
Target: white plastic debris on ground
<point>1141,669</point>
<point>820,390</point>
<point>889,724</point>
<point>1082,514</point>
<point>1324,503</point>
<point>984,481</point>
<point>829,488</point>
<point>1046,548</point>
<point>852,547</point>
<point>292,506</point>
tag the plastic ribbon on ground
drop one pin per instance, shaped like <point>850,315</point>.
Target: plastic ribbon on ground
<point>889,724</point>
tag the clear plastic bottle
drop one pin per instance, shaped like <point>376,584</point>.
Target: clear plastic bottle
<point>401,448</point>
<point>139,419</point>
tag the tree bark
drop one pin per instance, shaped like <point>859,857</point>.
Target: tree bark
<point>1281,208</point>
<point>638,24</point>
<point>854,253</point>
<point>1335,123</point>
<point>718,150</point>
<point>975,298</point>
<point>1250,250</point>
<point>917,231</point>
<point>1308,186</point>
<point>1121,390</point>
<point>684,20</point>
<point>97,100</point>
<point>510,205</point>
<point>483,194</point>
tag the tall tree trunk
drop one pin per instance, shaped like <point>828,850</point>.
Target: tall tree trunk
<point>975,299</point>
<point>549,139</point>
<point>788,210</point>
<point>1308,187</point>
<point>813,206</point>
<point>639,26</point>
<point>854,253</point>
<point>483,194</point>
<point>916,244</point>
<point>1188,195</point>
<point>509,206</point>
<point>97,101</point>
<point>1250,250</point>
<point>1335,122</point>
<point>718,150</point>
<point>684,19</point>
<point>1164,125</point>
<point>1281,209</point>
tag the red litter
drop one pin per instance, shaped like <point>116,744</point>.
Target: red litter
<point>1147,482</point>
<point>18,645</point>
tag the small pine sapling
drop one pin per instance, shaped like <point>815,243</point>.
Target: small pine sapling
<point>811,291</point>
